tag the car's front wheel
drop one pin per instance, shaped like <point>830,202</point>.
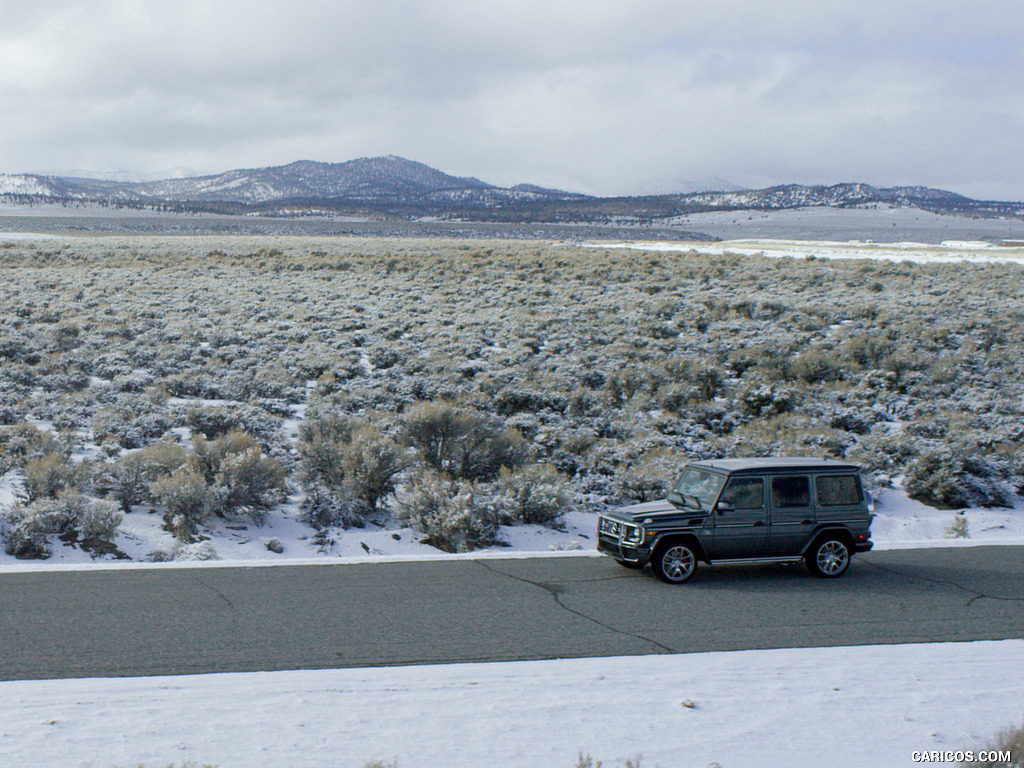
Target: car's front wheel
<point>829,557</point>
<point>674,562</point>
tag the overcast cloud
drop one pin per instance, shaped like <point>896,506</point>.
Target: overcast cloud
<point>602,96</point>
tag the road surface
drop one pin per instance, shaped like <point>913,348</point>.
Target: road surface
<point>164,621</point>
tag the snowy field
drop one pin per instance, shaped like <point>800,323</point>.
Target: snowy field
<point>947,252</point>
<point>862,706</point>
<point>858,707</point>
<point>878,222</point>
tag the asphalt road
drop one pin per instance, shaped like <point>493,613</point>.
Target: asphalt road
<point>180,621</point>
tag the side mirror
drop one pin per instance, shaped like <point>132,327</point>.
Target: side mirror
<point>724,506</point>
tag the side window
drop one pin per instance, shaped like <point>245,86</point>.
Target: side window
<point>744,493</point>
<point>837,490</point>
<point>791,492</point>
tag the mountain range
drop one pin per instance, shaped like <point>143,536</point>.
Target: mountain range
<point>395,187</point>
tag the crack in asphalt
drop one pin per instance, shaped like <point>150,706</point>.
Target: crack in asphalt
<point>977,595</point>
<point>227,601</point>
<point>556,590</point>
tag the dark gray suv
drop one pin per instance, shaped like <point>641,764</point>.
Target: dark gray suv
<point>745,510</point>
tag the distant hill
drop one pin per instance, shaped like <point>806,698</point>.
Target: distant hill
<point>395,187</point>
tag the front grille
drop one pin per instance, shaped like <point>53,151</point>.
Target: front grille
<point>613,529</point>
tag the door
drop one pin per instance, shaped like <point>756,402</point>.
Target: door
<point>792,514</point>
<point>742,529</point>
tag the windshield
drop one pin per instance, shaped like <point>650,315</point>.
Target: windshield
<point>697,488</point>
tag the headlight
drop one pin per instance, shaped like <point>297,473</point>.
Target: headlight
<point>633,533</point>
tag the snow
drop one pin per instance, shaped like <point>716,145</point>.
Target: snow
<point>949,251</point>
<point>21,185</point>
<point>853,706</point>
<point>859,706</point>
<point>900,523</point>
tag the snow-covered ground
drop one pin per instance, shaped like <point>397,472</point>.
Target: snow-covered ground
<point>899,523</point>
<point>862,707</point>
<point>950,251</point>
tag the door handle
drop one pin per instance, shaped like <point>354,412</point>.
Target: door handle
<point>759,524</point>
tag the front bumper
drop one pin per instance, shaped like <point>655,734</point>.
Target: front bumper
<point>628,553</point>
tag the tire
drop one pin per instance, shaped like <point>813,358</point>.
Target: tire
<point>674,562</point>
<point>829,557</point>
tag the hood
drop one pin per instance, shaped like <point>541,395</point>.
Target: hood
<point>647,508</point>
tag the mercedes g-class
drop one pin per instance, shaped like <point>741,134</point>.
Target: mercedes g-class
<point>745,510</point>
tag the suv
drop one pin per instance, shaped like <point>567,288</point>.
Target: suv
<point>745,510</point>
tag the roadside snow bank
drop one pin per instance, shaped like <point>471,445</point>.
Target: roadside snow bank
<point>842,707</point>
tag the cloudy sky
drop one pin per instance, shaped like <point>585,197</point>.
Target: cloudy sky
<point>600,96</point>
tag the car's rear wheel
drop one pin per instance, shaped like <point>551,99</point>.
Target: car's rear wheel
<point>674,562</point>
<point>829,557</point>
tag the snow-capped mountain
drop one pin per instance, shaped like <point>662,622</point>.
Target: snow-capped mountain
<point>23,185</point>
<point>394,186</point>
<point>364,179</point>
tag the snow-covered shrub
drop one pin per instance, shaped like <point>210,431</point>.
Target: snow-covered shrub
<point>48,475</point>
<point>325,507</point>
<point>252,483</point>
<point>214,421</point>
<point>454,515</point>
<point>649,476</point>
<point>66,336</point>
<point>69,380</point>
<point>321,437</point>
<point>100,520</point>
<point>128,478</point>
<point>512,400</point>
<point>816,365</point>
<point>857,421</point>
<point>208,454</point>
<point>11,412</point>
<point>371,462</point>
<point>622,385</point>
<point>463,443</point>
<point>697,376</point>
<point>194,551</point>
<point>535,493</point>
<point>133,423</point>
<point>27,528</point>
<point>1008,741</point>
<point>162,458</point>
<point>958,477</point>
<point>883,453</point>
<point>187,499</point>
<point>23,441</point>
<point>716,418</point>
<point>760,398</point>
<point>958,529</point>
<point>346,465</point>
<point>252,383</point>
<point>240,478</point>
